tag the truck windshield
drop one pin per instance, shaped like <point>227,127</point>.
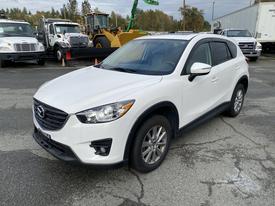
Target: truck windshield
<point>101,21</point>
<point>147,56</point>
<point>65,28</point>
<point>238,33</point>
<point>15,29</point>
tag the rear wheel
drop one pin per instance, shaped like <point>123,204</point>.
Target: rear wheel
<point>151,144</point>
<point>237,100</point>
<point>102,42</point>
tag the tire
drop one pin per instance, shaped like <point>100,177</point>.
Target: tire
<point>41,62</point>
<point>253,59</point>
<point>3,63</point>
<point>158,148</point>
<point>102,42</point>
<point>236,103</point>
<point>58,53</point>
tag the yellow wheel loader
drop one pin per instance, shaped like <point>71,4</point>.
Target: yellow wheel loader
<point>97,27</point>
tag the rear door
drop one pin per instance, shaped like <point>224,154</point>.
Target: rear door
<point>223,71</point>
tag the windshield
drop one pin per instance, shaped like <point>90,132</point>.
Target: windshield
<point>101,21</point>
<point>238,33</point>
<point>65,28</point>
<point>150,56</point>
<point>15,29</point>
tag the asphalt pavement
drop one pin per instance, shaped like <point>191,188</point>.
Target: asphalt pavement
<point>223,162</point>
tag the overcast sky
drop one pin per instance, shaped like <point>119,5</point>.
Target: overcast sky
<point>124,6</point>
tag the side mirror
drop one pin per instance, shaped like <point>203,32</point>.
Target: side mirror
<point>199,69</point>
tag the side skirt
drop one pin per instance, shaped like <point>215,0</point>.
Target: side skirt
<point>199,121</point>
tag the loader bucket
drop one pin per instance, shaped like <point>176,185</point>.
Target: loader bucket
<point>124,37</point>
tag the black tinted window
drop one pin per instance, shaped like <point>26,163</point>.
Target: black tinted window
<point>220,52</point>
<point>201,54</point>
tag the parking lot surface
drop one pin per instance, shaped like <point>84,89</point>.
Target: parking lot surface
<point>223,162</point>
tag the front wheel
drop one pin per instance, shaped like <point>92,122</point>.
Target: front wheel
<point>41,62</point>
<point>253,59</point>
<point>237,100</point>
<point>3,63</point>
<point>151,144</point>
<point>58,54</point>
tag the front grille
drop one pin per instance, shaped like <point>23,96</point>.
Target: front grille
<point>79,41</point>
<point>247,45</point>
<point>52,118</point>
<point>25,47</point>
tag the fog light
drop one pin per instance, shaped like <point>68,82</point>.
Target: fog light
<point>102,147</point>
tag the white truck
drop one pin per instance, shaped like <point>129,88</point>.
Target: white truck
<point>258,19</point>
<point>248,44</point>
<point>59,35</point>
<point>18,43</point>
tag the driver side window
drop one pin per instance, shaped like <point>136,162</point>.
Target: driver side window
<point>201,54</point>
<point>51,29</point>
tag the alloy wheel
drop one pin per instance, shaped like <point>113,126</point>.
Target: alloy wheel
<point>154,144</point>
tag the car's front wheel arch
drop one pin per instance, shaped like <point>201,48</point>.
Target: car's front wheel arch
<point>166,109</point>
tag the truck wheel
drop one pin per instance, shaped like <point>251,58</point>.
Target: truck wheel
<point>58,53</point>
<point>3,63</point>
<point>102,42</point>
<point>151,144</point>
<point>41,62</point>
<point>253,59</point>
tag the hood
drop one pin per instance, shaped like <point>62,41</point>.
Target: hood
<point>243,39</point>
<point>20,40</point>
<point>91,87</point>
<point>68,35</point>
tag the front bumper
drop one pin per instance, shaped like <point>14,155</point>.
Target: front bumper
<point>72,143</point>
<point>252,53</point>
<point>22,56</point>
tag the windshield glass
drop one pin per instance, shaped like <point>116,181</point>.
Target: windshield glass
<point>64,28</point>
<point>15,29</point>
<point>238,33</point>
<point>101,21</point>
<point>152,57</point>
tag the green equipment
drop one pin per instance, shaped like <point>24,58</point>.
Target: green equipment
<point>134,10</point>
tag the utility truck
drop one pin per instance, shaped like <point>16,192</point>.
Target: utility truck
<point>59,35</point>
<point>18,43</point>
<point>258,19</point>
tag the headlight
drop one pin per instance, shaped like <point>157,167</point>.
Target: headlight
<point>41,47</point>
<point>105,113</point>
<point>65,44</point>
<point>5,48</point>
<point>90,44</point>
<point>258,46</point>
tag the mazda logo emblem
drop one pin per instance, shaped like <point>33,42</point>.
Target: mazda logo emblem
<point>41,111</point>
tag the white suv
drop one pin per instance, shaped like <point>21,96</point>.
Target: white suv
<point>130,107</point>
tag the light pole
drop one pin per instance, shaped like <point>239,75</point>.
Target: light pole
<point>183,15</point>
<point>213,10</point>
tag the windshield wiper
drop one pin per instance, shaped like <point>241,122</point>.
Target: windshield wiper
<point>121,69</point>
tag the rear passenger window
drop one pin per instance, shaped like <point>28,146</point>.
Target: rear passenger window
<point>220,52</point>
<point>201,54</point>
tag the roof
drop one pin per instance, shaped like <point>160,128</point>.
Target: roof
<point>187,36</point>
<point>13,21</point>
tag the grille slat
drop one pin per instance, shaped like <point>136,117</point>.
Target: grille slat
<point>80,41</point>
<point>54,119</point>
<point>25,47</point>
<point>247,45</point>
